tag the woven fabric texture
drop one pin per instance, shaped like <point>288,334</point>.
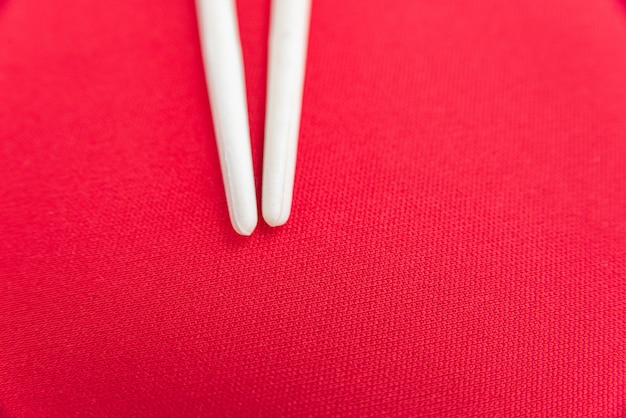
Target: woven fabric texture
<point>457,245</point>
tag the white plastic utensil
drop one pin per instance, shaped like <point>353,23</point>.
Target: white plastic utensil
<point>221,51</point>
<point>289,31</point>
<point>223,63</point>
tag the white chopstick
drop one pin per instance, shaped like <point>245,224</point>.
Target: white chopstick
<point>223,63</point>
<point>289,30</point>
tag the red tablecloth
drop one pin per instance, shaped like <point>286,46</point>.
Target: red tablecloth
<point>457,245</point>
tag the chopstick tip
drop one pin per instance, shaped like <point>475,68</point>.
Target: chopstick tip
<point>275,216</point>
<point>245,225</point>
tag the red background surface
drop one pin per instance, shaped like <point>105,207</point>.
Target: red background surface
<point>457,245</point>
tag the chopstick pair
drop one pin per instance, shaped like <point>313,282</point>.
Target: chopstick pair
<point>223,63</point>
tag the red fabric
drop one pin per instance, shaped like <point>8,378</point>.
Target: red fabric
<point>457,245</point>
